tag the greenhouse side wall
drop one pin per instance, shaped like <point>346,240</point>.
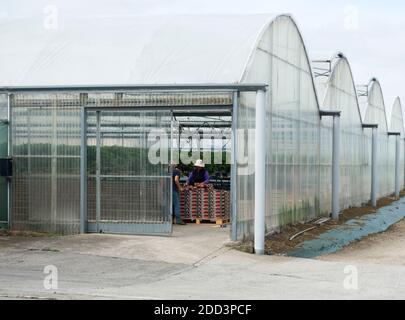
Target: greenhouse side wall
<point>391,165</point>
<point>293,128</point>
<point>245,178</point>
<point>46,151</point>
<point>397,125</point>
<point>325,166</point>
<point>355,168</point>
<point>376,114</point>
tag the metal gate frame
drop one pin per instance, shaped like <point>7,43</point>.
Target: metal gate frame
<point>166,229</point>
<point>7,184</point>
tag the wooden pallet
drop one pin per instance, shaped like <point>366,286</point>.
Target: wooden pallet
<point>217,221</point>
<point>223,221</point>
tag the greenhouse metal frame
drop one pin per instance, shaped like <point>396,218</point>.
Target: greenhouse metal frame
<point>306,141</point>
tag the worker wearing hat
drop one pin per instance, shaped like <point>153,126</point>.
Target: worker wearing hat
<point>199,177</point>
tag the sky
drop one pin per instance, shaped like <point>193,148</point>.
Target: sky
<point>370,33</point>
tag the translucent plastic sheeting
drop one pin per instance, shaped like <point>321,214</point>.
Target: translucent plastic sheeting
<point>375,113</point>
<point>293,131</point>
<point>397,125</point>
<point>355,169</point>
<point>46,151</point>
<point>136,50</point>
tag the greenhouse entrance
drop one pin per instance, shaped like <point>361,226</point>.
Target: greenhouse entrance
<point>100,159</point>
<point>128,187</point>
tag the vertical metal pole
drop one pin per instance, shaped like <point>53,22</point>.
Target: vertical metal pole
<point>171,161</point>
<point>336,168</point>
<point>29,162</point>
<point>397,165</point>
<point>179,141</point>
<point>9,152</point>
<point>171,154</point>
<point>234,168</point>
<point>260,173</point>
<point>98,171</point>
<point>83,171</point>
<point>54,168</point>
<point>374,167</point>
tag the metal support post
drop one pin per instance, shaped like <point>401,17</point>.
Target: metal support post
<point>374,168</point>
<point>83,171</point>
<point>397,161</point>
<point>374,146</point>
<point>260,173</point>
<point>234,167</point>
<point>336,168</point>
<point>98,170</point>
<point>335,161</point>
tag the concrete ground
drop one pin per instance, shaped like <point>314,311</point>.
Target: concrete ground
<point>193,264</point>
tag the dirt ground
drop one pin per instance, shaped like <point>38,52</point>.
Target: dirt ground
<point>280,244</point>
<point>27,234</point>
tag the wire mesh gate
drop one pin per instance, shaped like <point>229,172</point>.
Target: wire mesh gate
<point>128,179</point>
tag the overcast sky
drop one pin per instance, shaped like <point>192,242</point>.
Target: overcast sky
<point>370,33</point>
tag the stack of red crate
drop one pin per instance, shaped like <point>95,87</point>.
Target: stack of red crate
<point>205,204</point>
<point>203,196</point>
<point>193,201</point>
<point>215,205</point>
<point>184,208</point>
<point>226,204</point>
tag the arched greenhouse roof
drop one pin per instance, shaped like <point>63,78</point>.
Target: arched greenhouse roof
<point>339,87</point>
<point>375,111</point>
<point>396,119</point>
<point>141,50</point>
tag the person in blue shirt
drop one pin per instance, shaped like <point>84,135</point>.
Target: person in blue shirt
<point>199,177</point>
<point>177,188</point>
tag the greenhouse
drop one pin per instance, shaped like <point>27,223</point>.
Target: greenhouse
<point>337,92</point>
<point>83,109</point>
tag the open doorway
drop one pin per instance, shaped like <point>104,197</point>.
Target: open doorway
<point>201,154</point>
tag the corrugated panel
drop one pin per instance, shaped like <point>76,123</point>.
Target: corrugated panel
<point>46,151</point>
